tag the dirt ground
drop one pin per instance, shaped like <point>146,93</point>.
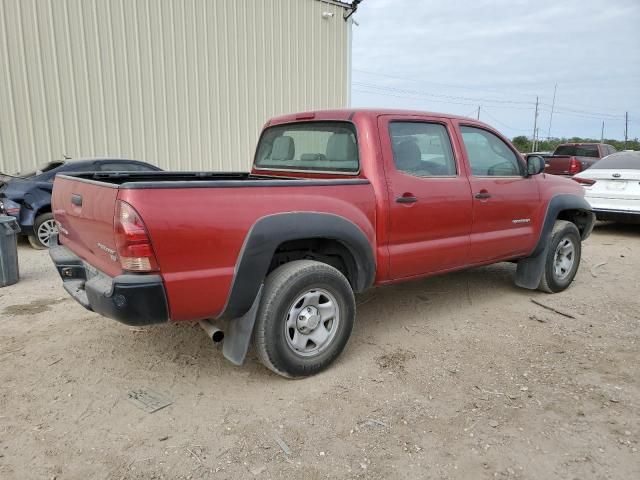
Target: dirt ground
<point>459,376</point>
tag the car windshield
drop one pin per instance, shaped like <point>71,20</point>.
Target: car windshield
<point>621,160</point>
<point>312,146</point>
<point>577,150</point>
<point>45,167</point>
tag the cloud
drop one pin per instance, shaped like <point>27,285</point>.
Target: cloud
<point>453,56</point>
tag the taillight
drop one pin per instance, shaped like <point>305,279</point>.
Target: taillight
<point>574,166</point>
<point>10,207</point>
<point>132,240</point>
<point>584,181</point>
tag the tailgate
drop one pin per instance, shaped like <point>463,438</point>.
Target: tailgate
<point>557,165</point>
<point>84,211</point>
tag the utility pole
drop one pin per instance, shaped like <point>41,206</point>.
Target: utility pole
<point>535,127</point>
<point>626,128</point>
<point>602,133</point>
<point>553,104</point>
<point>478,117</point>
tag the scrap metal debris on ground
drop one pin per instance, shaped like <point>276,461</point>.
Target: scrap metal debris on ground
<point>595,267</point>
<point>149,400</point>
<point>559,312</point>
<point>281,443</point>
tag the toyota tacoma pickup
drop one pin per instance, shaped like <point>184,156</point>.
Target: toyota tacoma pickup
<point>571,158</point>
<point>336,202</point>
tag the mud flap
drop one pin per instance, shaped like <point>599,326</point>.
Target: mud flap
<point>529,271</point>
<point>238,334</point>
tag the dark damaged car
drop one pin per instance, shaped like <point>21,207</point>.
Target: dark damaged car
<point>28,196</point>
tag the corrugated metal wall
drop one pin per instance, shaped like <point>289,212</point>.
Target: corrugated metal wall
<point>184,84</point>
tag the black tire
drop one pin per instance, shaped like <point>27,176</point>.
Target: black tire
<point>553,281</point>
<point>282,288</point>
<point>35,240</point>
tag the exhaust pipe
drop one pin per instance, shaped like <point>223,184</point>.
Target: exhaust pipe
<point>213,332</point>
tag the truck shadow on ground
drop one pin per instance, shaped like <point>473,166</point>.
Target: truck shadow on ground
<point>383,313</point>
<point>627,230</point>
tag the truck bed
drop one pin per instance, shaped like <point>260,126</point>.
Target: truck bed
<point>203,179</point>
<point>197,222</point>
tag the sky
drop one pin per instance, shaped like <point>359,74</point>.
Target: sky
<point>453,56</point>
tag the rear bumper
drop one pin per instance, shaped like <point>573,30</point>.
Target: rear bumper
<point>129,298</point>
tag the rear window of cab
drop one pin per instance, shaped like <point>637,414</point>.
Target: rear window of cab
<point>578,150</point>
<point>329,147</point>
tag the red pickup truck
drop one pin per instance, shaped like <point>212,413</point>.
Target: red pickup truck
<point>571,158</point>
<point>336,202</point>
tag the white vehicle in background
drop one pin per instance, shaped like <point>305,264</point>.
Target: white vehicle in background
<point>612,187</point>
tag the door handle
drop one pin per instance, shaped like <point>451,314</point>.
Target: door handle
<point>406,199</point>
<point>483,195</point>
<point>76,200</point>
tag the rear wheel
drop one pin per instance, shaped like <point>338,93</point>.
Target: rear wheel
<point>563,257</point>
<point>305,318</point>
<point>43,227</point>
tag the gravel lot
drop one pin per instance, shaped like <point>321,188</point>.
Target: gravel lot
<point>459,376</point>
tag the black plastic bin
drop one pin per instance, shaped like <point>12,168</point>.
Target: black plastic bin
<point>9,229</point>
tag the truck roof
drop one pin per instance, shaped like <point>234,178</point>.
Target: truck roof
<point>576,144</point>
<point>349,113</point>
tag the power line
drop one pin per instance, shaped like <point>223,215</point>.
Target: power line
<point>390,94</point>
<point>599,108</point>
<point>572,113</point>
<point>414,93</point>
<point>582,112</point>
<point>449,85</point>
<point>474,111</point>
<point>499,122</point>
<point>456,97</point>
<point>398,93</point>
<point>470,113</point>
<point>493,100</point>
<point>631,78</point>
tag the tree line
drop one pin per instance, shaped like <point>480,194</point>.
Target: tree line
<point>523,144</point>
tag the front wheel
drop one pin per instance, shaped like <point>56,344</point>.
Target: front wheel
<point>43,227</point>
<point>563,257</point>
<point>305,318</point>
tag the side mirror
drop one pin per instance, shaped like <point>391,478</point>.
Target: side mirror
<point>535,164</point>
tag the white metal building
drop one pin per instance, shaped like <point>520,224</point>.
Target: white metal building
<point>183,84</point>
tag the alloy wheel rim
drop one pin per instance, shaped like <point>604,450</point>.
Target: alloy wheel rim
<point>45,230</point>
<point>312,322</point>
<point>564,258</point>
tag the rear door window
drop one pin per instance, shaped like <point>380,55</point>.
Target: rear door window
<point>422,149</point>
<point>124,167</point>
<point>578,151</point>
<point>79,167</point>
<point>309,146</point>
